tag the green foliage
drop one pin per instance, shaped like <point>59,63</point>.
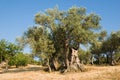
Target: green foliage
<point>112,42</point>
<point>8,50</point>
<point>3,45</point>
<point>19,59</point>
<point>57,31</point>
<point>107,50</point>
<point>117,55</point>
<point>39,41</point>
<point>12,61</point>
<point>84,56</point>
<point>73,24</point>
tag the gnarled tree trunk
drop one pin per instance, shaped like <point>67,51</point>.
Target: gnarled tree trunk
<point>48,64</point>
<point>56,64</point>
<point>66,53</point>
<point>74,62</point>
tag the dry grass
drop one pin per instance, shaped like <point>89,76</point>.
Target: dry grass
<point>35,73</point>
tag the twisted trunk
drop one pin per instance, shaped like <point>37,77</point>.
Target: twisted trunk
<point>66,52</point>
<point>48,64</point>
<point>73,62</point>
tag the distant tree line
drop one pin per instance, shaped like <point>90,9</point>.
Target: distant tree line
<point>12,55</point>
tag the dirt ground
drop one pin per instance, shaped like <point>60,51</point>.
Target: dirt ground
<point>32,72</point>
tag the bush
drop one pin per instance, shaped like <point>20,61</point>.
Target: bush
<point>19,59</point>
<point>12,61</point>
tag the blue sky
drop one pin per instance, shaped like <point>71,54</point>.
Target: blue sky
<point>17,15</point>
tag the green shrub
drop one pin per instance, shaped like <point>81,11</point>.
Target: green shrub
<point>19,59</point>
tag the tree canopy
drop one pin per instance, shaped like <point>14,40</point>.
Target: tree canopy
<point>57,31</point>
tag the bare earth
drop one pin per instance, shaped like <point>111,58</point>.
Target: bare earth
<point>35,73</point>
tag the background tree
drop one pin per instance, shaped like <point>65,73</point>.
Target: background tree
<point>96,47</point>
<point>3,45</point>
<point>40,42</point>
<point>20,59</point>
<point>8,50</point>
<point>113,44</point>
<point>85,56</point>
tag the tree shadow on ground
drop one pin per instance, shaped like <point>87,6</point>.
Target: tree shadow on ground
<point>22,69</point>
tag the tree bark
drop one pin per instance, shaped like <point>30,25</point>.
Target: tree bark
<point>111,58</point>
<point>73,63</point>
<point>66,51</point>
<point>92,60</point>
<point>48,64</point>
<point>6,68</point>
<point>98,58</point>
<point>55,65</point>
<point>107,58</point>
